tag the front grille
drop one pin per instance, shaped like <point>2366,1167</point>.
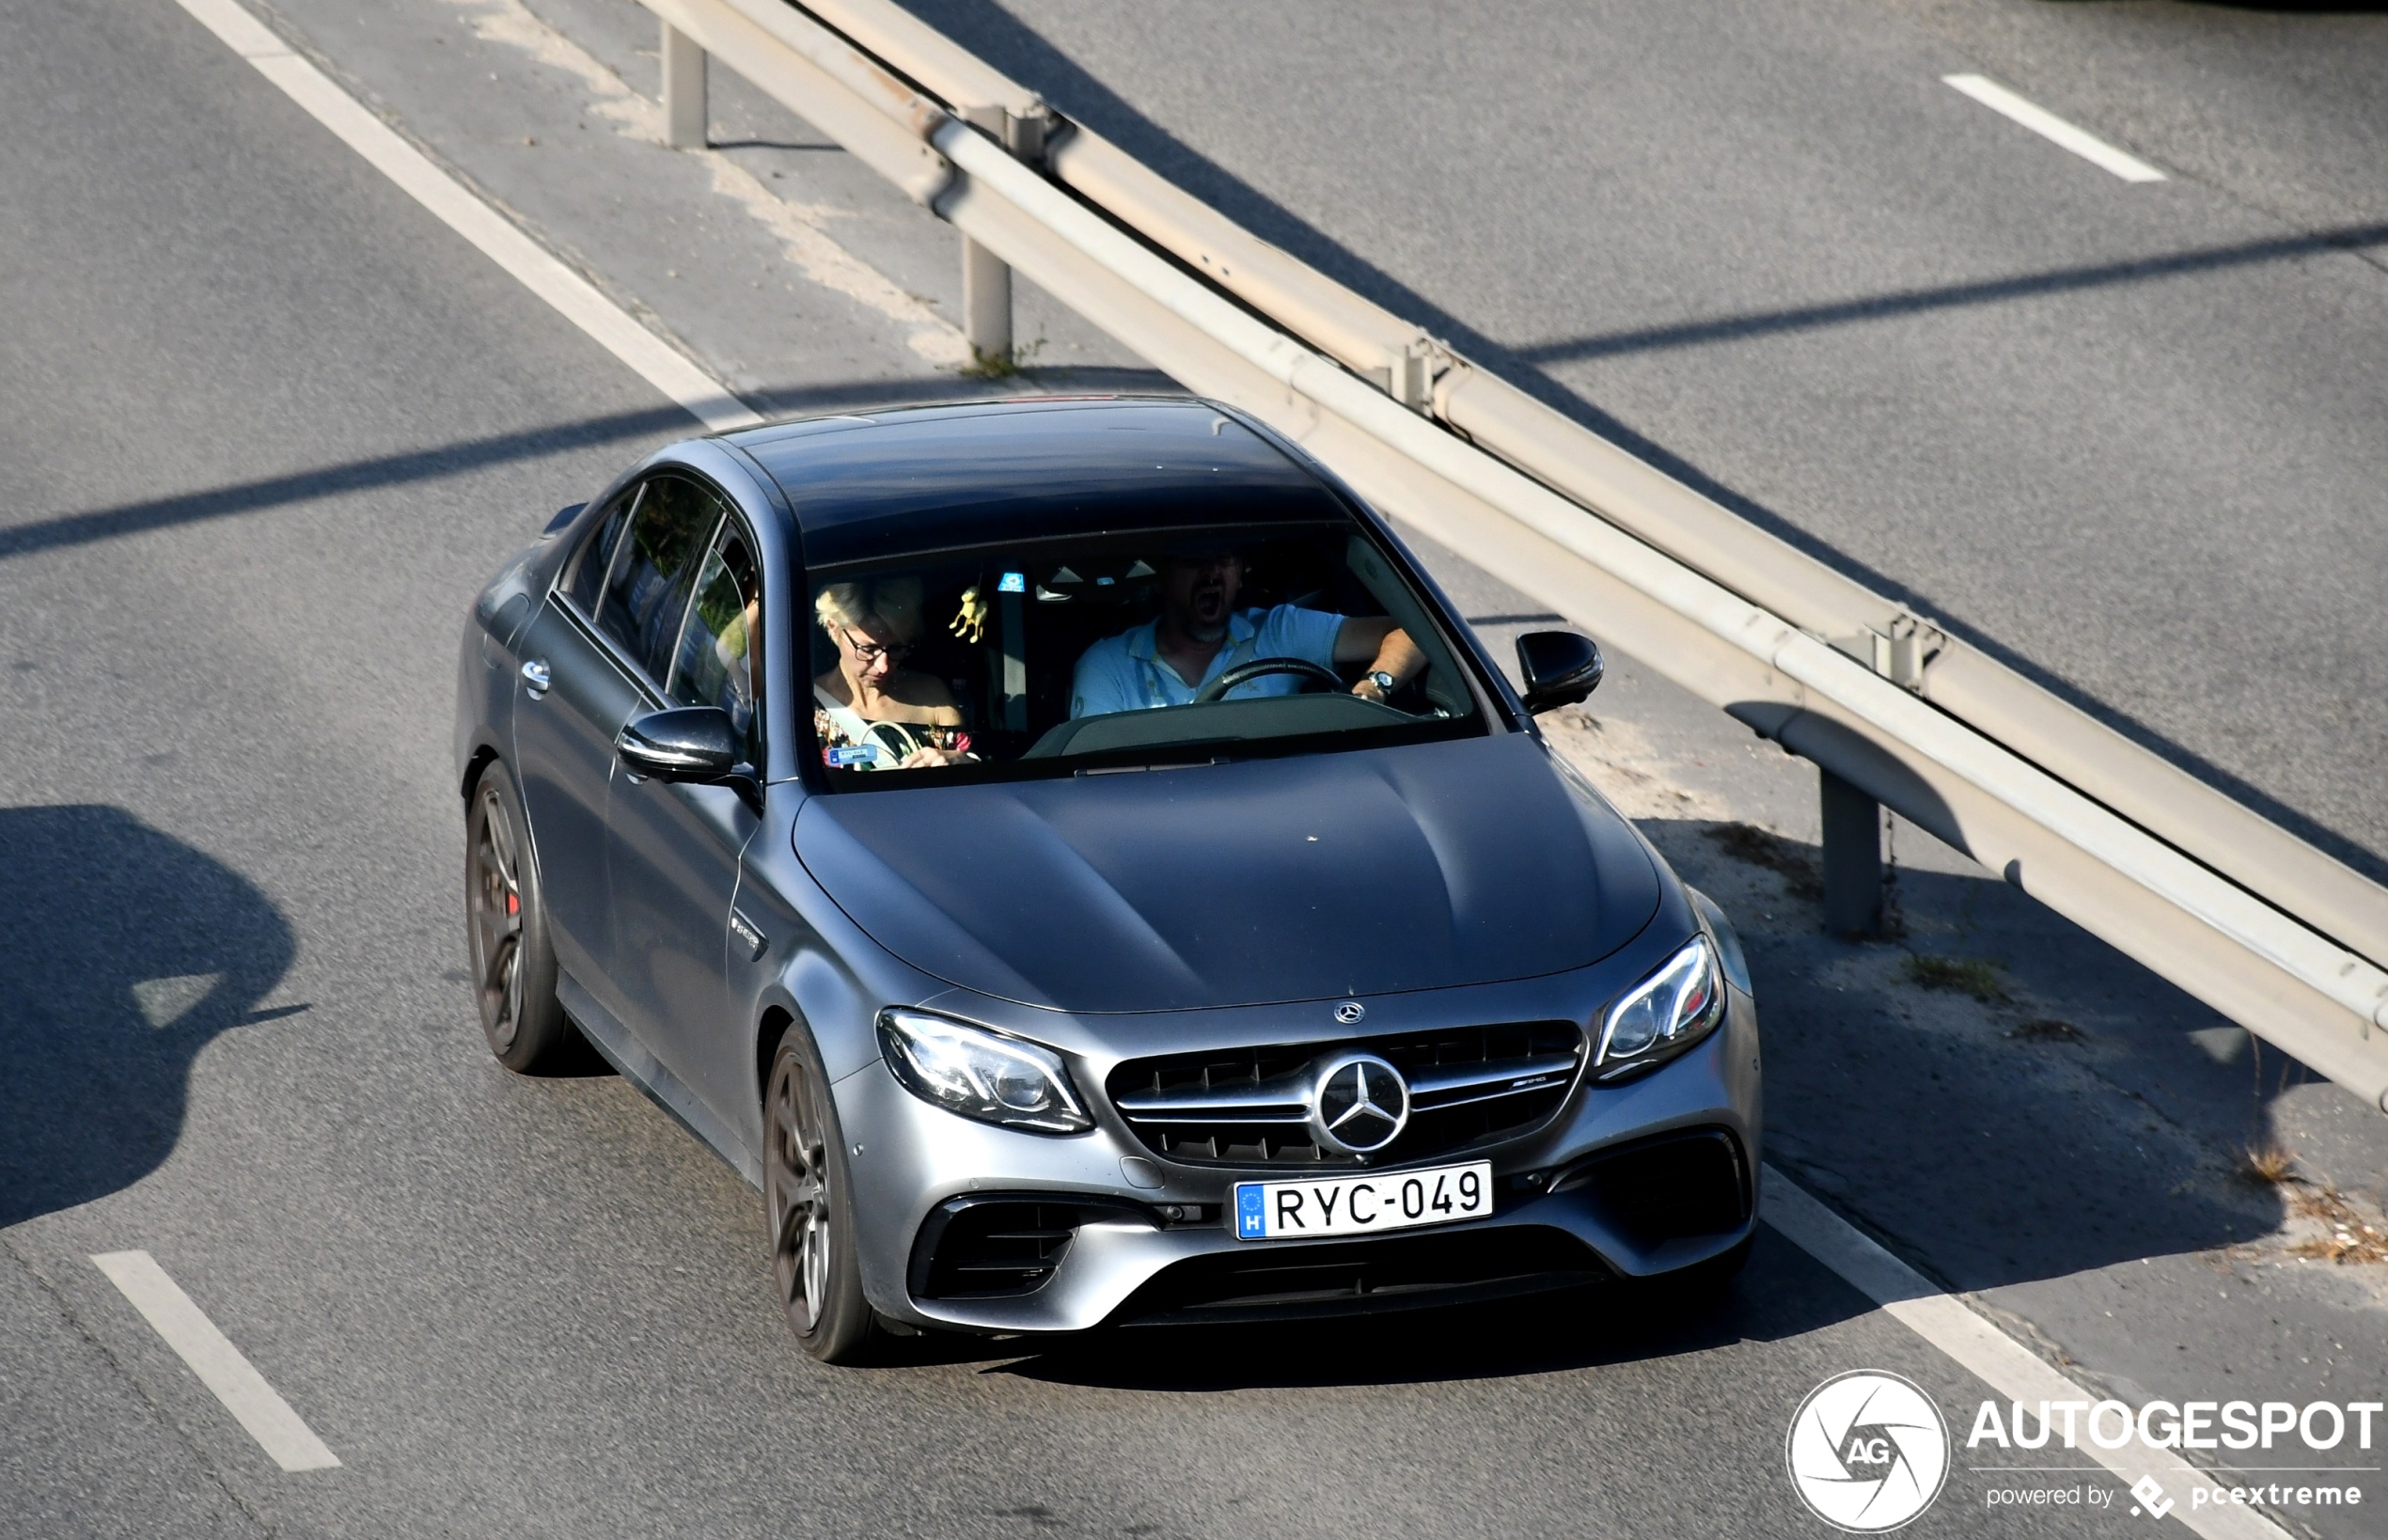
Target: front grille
<point>990,1250</point>
<point>1469,1086</point>
<point>1670,1188</point>
<point>1261,1282</point>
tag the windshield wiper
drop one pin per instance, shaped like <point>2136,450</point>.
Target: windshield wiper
<point>1158,764</point>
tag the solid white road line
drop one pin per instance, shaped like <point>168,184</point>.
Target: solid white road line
<point>613,328</point>
<point>2011,1371</point>
<point>219,1364</point>
<point>2045,123</point>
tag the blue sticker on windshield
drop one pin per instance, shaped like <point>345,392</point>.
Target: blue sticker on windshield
<point>1249,1211</point>
<point>1012,583</point>
<point>844,754</point>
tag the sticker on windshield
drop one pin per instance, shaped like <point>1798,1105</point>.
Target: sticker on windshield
<point>842,755</point>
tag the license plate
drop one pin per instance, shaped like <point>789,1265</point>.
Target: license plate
<point>1362,1205</point>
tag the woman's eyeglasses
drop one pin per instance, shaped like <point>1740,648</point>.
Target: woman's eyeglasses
<point>868,653</point>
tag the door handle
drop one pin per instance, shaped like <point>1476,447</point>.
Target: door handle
<point>534,674</point>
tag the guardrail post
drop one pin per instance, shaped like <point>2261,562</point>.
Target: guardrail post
<point>684,110</point>
<point>987,278</point>
<point>1410,377</point>
<point>1852,858</point>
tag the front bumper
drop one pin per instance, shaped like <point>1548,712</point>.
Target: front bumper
<point>1132,1255</point>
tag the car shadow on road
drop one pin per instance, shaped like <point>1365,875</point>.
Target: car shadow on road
<point>126,952</point>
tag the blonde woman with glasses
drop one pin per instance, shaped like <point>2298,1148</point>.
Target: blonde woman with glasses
<point>870,712</point>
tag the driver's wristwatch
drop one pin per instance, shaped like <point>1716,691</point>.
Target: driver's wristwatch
<point>1383,680</point>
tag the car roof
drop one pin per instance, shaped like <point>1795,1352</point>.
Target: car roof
<point>918,479</point>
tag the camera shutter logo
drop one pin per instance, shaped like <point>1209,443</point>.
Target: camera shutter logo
<point>1867,1450</point>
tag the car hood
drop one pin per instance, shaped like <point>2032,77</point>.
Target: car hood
<point>1251,882</point>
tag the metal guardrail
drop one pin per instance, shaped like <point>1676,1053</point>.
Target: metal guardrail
<point>2206,892</point>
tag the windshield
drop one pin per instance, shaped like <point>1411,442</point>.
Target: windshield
<point>1122,651</point>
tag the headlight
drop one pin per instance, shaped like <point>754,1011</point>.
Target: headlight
<point>1665,1013</point>
<point>980,1073</point>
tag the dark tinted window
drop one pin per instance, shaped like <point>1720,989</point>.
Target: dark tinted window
<point>720,661</point>
<point>597,553</point>
<point>1040,660</point>
<point>648,593</point>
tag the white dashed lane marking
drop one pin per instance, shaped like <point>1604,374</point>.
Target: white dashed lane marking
<point>221,1367</point>
<point>2045,123</point>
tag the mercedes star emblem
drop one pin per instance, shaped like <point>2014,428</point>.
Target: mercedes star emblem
<point>1350,1012</point>
<point>1359,1105</point>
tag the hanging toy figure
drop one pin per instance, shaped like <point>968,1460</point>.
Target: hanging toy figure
<point>971,621</point>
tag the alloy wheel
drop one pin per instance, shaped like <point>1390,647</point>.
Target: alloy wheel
<point>797,1175</point>
<point>497,921</point>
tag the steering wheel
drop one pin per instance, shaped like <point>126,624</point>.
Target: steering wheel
<point>1244,673</point>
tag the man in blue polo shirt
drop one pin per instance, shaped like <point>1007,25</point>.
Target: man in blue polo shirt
<point>1199,635</point>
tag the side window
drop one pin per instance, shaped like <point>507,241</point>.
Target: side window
<point>597,553</point>
<point>720,659</point>
<point>647,592</point>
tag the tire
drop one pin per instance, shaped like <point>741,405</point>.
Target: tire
<point>808,1194</point>
<point>513,963</point>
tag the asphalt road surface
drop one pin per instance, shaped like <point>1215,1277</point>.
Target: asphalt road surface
<point>2132,437</point>
<point>264,428</point>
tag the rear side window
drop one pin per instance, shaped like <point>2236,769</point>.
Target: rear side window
<point>597,553</point>
<point>647,592</point>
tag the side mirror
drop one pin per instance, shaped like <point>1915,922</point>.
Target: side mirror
<point>1560,669</point>
<point>695,743</point>
<point>563,517</point>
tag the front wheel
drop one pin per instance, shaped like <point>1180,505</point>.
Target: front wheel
<point>513,965</point>
<point>809,1198</point>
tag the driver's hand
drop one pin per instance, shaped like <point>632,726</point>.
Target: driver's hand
<point>926,758</point>
<point>1367,690</point>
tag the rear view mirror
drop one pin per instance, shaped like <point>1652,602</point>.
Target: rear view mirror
<point>1560,669</point>
<point>697,744</point>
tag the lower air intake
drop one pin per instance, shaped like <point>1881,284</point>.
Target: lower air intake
<point>1392,1272</point>
<point>1676,1187</point>
<point>991,1250</point>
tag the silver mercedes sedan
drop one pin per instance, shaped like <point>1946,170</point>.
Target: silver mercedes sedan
<point>1068,855</point>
